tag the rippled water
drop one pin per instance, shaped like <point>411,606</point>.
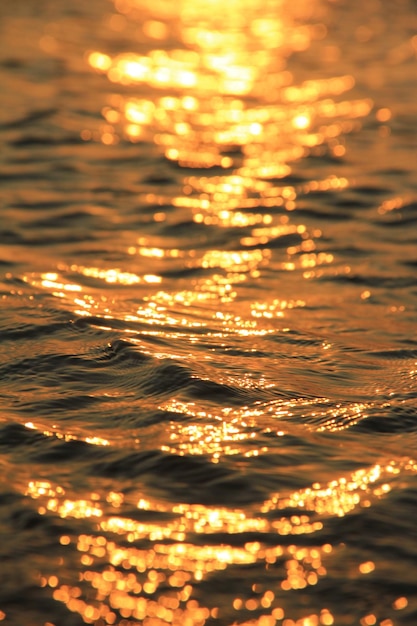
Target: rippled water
<point>208,247</point>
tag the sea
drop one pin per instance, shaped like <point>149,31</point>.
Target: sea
<point>208,313</point>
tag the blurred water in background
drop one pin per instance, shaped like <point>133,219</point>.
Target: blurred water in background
<point>208,254</point>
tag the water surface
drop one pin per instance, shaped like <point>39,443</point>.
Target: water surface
<point>208,254</point>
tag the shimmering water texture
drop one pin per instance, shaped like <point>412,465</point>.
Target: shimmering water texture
<point>208,313</point>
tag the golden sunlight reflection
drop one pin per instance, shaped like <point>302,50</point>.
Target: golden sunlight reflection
<point>147,568</point>
<point>212,89</point>
<point>58,433</point>
<point>221,91</point>
<point>213,439</point>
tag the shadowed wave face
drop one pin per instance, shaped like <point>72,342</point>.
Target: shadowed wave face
<point>208,313</point>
